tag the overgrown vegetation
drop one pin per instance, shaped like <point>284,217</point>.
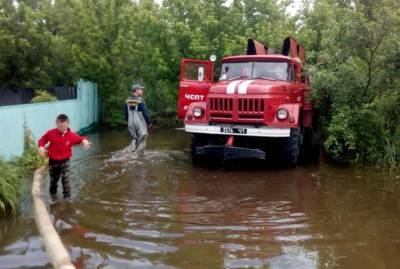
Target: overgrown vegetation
<point>355,54</point>
<point>10,182</point>
<point>14,171</point>
<point>43,96</point>
<point>352,47</point>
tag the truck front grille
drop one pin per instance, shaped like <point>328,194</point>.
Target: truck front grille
<point>250,105</point>
<point>244,108</point>
<point>221,104</point>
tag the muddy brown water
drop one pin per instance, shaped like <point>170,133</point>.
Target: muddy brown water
<point>158,211</point>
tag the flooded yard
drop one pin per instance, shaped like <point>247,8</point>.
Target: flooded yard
<point>158,211</point>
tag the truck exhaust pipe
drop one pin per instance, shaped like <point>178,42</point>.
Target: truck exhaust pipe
<point>301,53</point>
<point>256,48</point>
<point>292,49</point>
<point>289,47</point>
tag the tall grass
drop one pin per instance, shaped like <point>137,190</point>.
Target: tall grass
<point>391,156</point>
<point>10,182</point>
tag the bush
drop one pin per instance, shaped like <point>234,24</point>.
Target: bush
<point>10,182</point>
<point>29,160</point>
<point>354,135</point>
<point>388,110</point>
<point>12,173</point>
<point>43,96</point>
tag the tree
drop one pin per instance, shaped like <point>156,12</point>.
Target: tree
<point>352,58</point>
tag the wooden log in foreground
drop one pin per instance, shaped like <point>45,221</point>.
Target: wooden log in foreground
<point>59,256</point>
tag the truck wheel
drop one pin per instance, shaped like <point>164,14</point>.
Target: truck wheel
<point>291,147</point>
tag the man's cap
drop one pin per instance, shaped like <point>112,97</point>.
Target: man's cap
<point>137,86</point>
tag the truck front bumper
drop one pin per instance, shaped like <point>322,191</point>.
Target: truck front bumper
<point>240,130</point>
<point>230,153</point>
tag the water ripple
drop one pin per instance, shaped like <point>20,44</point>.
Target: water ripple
<point>141,246</point>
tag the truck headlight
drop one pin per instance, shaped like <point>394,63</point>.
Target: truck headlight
<point>282,114</point>
<point>197,112</point>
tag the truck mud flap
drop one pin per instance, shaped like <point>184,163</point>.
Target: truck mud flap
<point>230,153</point>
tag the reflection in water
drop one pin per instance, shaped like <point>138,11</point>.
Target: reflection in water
<point>20,245</point>
<point>158,211</point>
<point>256,223</point>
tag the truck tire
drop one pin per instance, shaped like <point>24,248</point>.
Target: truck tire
<point>309,150</point>
<point>291,147</point>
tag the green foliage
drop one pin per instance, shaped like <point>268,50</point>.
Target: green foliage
<point>10,182</point>
<point>353,135</point>
<point>29,160</point>
<point>43,96</point>
<point>388,111</point>
<point>354,58</point>
<point>13,172</point>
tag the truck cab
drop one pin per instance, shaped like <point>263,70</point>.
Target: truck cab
<point>259,107</point>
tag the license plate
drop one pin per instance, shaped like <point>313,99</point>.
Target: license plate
<point>233,130</point>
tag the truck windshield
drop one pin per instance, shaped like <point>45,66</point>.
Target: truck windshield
<point>263,70</point>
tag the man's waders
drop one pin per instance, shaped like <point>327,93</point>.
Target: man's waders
<point>137,127</point>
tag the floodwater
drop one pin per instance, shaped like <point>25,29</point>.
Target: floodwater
<point>158,211</point>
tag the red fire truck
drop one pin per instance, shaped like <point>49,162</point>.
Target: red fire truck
<point>259,107</point>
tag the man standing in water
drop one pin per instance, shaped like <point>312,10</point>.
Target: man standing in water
<point>60,140</point>
<point>138,118</point>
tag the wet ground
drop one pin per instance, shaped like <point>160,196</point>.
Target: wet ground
<point>158,211</point>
